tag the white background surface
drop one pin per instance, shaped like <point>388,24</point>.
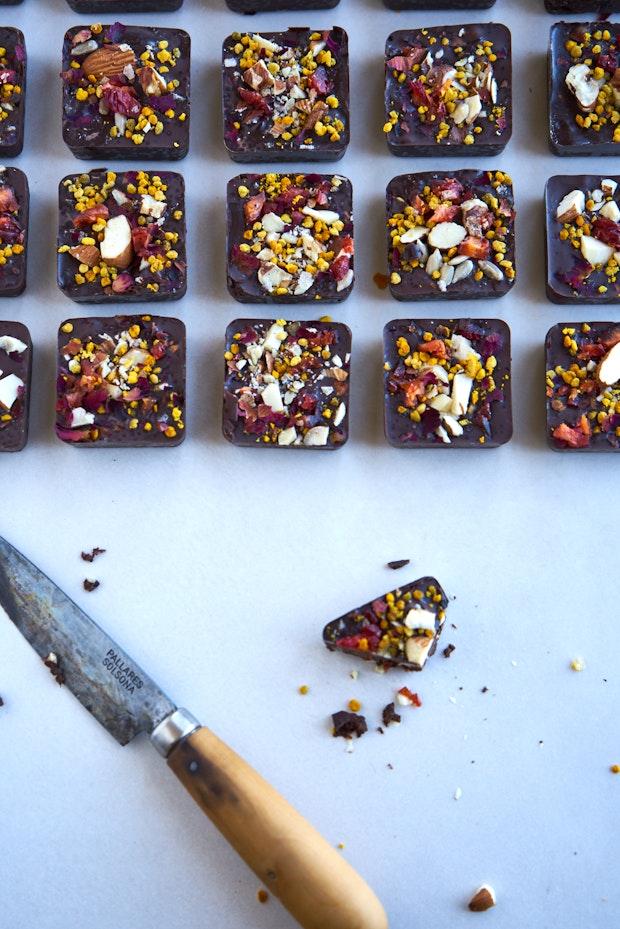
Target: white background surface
<point>223,565</point>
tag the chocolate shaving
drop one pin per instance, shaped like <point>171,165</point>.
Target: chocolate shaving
<point>90,556</point>
<point>448,650</point>
<point>395,565</point>
<point>484,690</point>
<point>89,586</point>
<point>348,724</point>
<point>389,715</point>
<point>51,662</point>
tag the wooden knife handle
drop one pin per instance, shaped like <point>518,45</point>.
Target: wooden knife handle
<point>313,881</point>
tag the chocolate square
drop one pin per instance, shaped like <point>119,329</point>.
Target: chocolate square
<point>286,384</point>
<point>124,6</point>
<point>459,235</point>
<point>439,5</point>
<point>121,381</point>
<point>448,90</point>
<point>602,7</point>
<point>447,383</point>
<point>14,209</point>
<point>582,252</point>
<point>104,207</point>
<point>298,113</point>
<point>313,257</point>
<point>145,99</point>
<point>582,363</point>
<point>269,6</point>
<point>15,374</point>
<point>13,67</point>
<point>399,629</point>
<point>575,88</point>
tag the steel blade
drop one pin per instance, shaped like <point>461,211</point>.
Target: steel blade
<point>101,675</point>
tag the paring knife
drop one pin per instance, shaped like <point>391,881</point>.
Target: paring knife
<point>313,881</point>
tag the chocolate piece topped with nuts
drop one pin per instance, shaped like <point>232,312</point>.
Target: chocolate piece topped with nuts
<point>121,237</point>
<point>287,384</point>
<point>12,91</point>
<point>400,628</point>
<point>15,371</point>
<point>285,95</point>
<point>583,238</point>
<point>450,237</point>
<point>583,387</point>
<point>265,6</point>
<point>448,90</point>
<point>124,6</point>
<point>14,212</point>
<point>447,383</point>
<point>121,381</point>
<point>584,97</point>
<point>126,92</point>
<point>290,238</point>
<point>439,4</point>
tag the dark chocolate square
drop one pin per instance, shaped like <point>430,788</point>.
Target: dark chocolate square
<point>145,99</point>
<point>298,113</point>
<point>14,209</point>
<point>448,90</point>
<point>121,381</point>
<point>447,383</point>
<point>268,6</point>
<point>577,91</point>
<point>13,69</point>
<point>483,256</point>
<point>15,373</point>
<point>583,252</point>
<point>124,6</point>
<point>286,384</point>
<point>439,4</point>
<point>602,7</point>
<point>313,257</point>
<point>398,629</point>
<point>582,363</point>
<point>152,267</point>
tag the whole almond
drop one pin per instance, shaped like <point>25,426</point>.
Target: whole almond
<point>86,254</point>
<point>108,61</point>
<point>482,900</point>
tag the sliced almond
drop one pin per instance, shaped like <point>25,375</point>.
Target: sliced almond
<point>326,216</point>
<point>413,234</point>
<point>417,649</point>
<point>571,206</point>
<point>149,206</point>
<point>434,262</point>
<point>108,61</point>
<point>581,82</point>
<point>317,435</point>
<point>116,247</point>
<point>451,423</point>
<point>446,277</point>
<point>10,344</point>
<point>152,83</point>
<point>491,270</point>
<point>483,899</point>
<point>287,436</point>
<point>10,387</point>
<point>609,368</point>
<point>81,417</point>
<point>463,270</point>
<point>271,397</point>
<point>474,106</point>
<point>271,222</point>
<point>446,235</point>
<point>594,251</point>
<point>610,211</point>
<point>608,186</point>
<point>461,391</point>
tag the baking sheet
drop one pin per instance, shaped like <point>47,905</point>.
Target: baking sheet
<point>223,564</point>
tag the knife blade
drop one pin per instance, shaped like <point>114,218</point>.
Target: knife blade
<point>317,886</point>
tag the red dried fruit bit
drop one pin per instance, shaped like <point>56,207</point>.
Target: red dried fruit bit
<point>474,247</point>
<point>419,94</point>
<point>436,347</point>
<point>90,556</point>
<point>413,698</point>
<point>8,201</point>
<point>121,99</point>
<point>444,213</point>
<point>478,220</point>
<point>381,280</point>
<point>122,283</point>
<point>89,586</point>
<point>575,437</point>
<point>448,189</point>
<point>339,268</point>
<point>91,215</point>
<point>250,98</point>
<point>320,81</point>
<point>607,231</point>
<point>10,230</point>
<point>413,390</point>
<point>591,350</point>
<point>253,207</point>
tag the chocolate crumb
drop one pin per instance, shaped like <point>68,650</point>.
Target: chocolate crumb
<point>390,716</point>
<point>448,650</point>
<point>1,702</point>
<point>51,662</point>
<point>262,896</point>
<point>90,556</point>
<point>90,585</point>
<point>395,565</point>
<point>380,730</point>
<point>390,766</point>
<point>348,724</point>
<point>484,690</point>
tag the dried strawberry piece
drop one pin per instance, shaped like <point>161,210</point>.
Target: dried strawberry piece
<point>249,98</point>
<point>122,283</point>
<point>94,399</point>
<point>120,99</point>
<point>253,207</point>
<point>141,239</point>
<point>475,247</point>
<point>339,268</point>
<point>91,215</point>
<point>574,437</point>
<point>410,57</point>
<point>607,231</point>
<point>591,351</point>
<point>10,230</point>
<point>444,213</point>
<point>419,94</point>
<point>319,80</point>
<point>436,347</point>
<point>577,276</point>
<point>608,62</point>
<point>410,696</point>
<point>419,205</point>
<point>246,262</point>
<point>448,189</point>
<point>505,209</point>
<point>413,391</point>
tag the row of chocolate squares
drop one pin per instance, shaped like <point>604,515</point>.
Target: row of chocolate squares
<point>263,6</point>
<point>290,237</point>
<point>447,383</point>
<point>285,95</point>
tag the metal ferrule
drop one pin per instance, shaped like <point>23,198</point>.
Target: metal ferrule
<point>172,729</point>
